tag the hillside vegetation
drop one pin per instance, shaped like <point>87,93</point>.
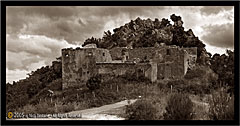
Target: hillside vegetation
<point>42,92</point>
<point>145,33</point>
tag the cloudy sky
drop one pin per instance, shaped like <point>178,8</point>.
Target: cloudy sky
<point>36,35</point>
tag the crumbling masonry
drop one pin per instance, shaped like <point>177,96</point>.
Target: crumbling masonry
<point>156,63</point>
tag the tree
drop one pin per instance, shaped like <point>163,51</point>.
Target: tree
<point>223,65</point>
<point>27,88</point>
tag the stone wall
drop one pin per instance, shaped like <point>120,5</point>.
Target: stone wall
<point>156,63</point>
<point>171,61</point>
<point>78,65</point>
<point>118,69</point>
<point>116,53</point>
<point>144,54</point>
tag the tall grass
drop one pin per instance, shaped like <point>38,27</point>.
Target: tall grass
<point>221,106</point>
<point>179,107</point>
<point>159,95</point>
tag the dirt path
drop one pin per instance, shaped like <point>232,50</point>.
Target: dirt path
<point>92,113</point>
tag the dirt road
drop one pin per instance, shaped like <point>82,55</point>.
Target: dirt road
<point>92,113</point>
<point>95,113</point>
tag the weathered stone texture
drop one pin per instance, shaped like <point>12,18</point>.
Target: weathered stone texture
<point>155,63</point>
<point>117,69</point>
<point>78,65</point>
<point>172,61</point>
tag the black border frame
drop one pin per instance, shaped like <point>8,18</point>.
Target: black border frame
<point>118,3</point>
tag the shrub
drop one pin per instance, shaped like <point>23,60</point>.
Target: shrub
<point>141,110</point>
<point>230,110</point>
<point>28,109</point>
<point>94,82</point>
<point>60,107</point>
<point>197,89</point>
<point>179,107</point>
<point>175,83</point>
<point>161,85</point>
<point>221,106</point>
<point>68,107</point>
<point>194,73</point>
<point>44,108</point>
<point>56,85</point>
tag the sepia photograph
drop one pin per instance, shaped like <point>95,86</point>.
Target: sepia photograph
<point>120,63</point>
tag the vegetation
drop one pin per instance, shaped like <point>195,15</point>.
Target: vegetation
<point>223,65</point>
<point>162,100</point>
<point>47,107</point>
<point>195,73</point>
<point>145,33</point>
<point>21,92</point>
<point>94,83</point>
<point>179,107</point>
<point>141,110</point>
<point>221,106</point>
<point>157,99</point>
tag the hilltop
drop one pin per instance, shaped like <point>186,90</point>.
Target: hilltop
<point>33,94</point>
<point>146,32</point>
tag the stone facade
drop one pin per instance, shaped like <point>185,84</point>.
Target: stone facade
<point>78,65</point>
<point>155,63</point>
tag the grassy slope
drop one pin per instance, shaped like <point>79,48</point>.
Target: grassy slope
<point>116,90</point>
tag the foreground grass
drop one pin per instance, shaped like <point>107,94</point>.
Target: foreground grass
<point>157,94</point>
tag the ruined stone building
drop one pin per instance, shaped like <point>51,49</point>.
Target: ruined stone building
<point>156,63</point>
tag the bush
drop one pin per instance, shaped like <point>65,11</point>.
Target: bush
<point>40,108</point>
<point>179,107</point>
<point>221,106</point>
<point>44,108</point>
<point>56,85</point>
<point>28,109</point>
<point>177,85</point>
<point>141,110</point>
<point>161,85</point>
<point>94,82</point>
<point>188,87</point>
<point>194,73</point>
<point>67,107</point>
<point>197,89</point>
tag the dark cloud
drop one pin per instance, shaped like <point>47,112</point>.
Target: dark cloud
<point>208,10</point>
<point>54,22</point>
<point>219,35</point>
<point>17,17</point>
<point>132,11</point>
<point>69,23</point>
<point>48,11</point>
